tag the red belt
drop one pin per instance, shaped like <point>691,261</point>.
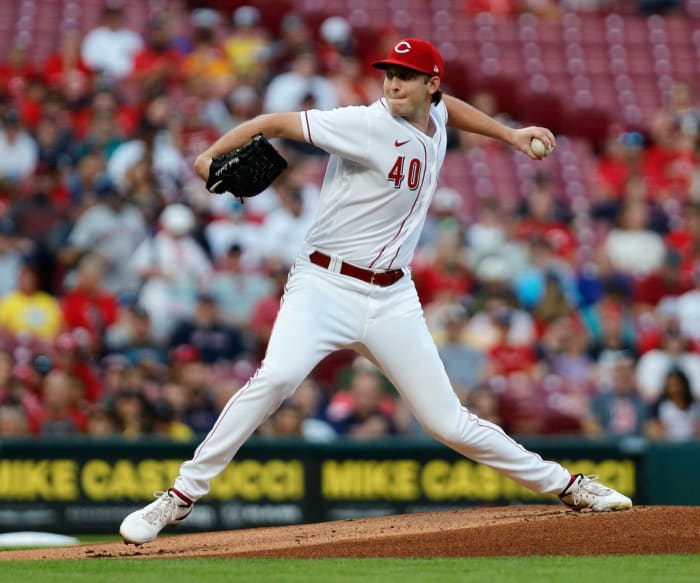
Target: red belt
<point>382,278</point>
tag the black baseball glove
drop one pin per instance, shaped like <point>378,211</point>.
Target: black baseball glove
<point>247,170</point>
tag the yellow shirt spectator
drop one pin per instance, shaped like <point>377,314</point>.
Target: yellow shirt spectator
<point>30,311</point>
<point>38,315</point>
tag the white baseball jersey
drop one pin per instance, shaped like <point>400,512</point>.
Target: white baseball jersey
<point>379,182</point>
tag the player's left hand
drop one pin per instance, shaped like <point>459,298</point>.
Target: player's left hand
<point>247,170</point>
<point>522,137</point>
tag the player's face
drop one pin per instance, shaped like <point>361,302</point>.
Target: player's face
<point>408,92</point>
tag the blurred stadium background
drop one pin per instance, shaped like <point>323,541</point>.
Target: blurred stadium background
<point>564,295</point>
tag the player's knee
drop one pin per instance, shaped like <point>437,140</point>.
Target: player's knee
<point>443,430</point>
<point>280,382</point>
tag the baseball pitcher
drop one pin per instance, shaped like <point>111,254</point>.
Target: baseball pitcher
<point>351,287</point>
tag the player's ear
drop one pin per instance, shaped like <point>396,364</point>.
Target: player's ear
<point>433,84</point>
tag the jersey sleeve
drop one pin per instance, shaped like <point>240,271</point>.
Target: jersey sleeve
<point>343,131</point>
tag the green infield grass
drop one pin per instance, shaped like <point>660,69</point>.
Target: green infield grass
<point>628,568</point>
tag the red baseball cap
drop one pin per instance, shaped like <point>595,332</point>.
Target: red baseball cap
<point>415,54</point>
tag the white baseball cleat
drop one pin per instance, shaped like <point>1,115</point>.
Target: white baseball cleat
<point>144,525</point>
<point>587,492</point>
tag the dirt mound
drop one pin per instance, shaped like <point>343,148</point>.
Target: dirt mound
<point>501,531</point>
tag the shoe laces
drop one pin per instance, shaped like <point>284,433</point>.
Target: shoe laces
<point>163,510</point>
<point>588,485</point>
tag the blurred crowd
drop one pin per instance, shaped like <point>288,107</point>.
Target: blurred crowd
<point>134,303</point>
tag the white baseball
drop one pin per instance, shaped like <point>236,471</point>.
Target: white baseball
<point>538,148</point>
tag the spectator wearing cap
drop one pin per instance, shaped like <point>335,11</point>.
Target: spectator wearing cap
<point>621,159</point>
<point>172,266</point>
<point>112,229</point>
<point>70,355</point>
<point>28,310</point>
<point>232,225</point>
<point>247,43</point>
<point>110,48</point>
<point>207,64</point>
<point>237,289</point>
<point>335,34</point>
<point>214,340</point>
<point>19,152</point>
<point>88,306</point>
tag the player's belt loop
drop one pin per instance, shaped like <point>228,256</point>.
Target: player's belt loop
<point>335,265</point>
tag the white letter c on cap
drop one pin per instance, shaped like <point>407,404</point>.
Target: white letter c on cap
<point>402,47</point>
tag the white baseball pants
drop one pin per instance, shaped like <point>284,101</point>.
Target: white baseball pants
<point>323,311</point>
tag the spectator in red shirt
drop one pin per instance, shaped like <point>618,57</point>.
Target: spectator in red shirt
<point>65,69</point>
<point>16,71</point>
<point>507,357</point>
<point>685,238</point>
<point>670,162</point>
<point>89,306</point>
<point>621,159</point>
<point>158,64</point>
<point>59,414</point>
<point>105,103</point>
<point>543,219</point>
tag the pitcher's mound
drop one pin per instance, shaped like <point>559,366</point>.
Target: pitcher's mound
<point>502,531</point>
